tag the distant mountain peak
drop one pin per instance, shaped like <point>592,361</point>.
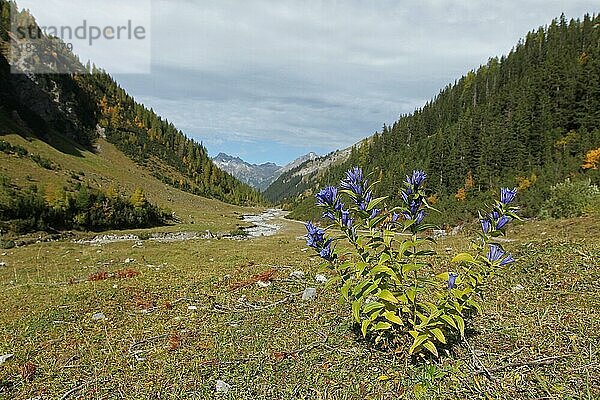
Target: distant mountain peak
<point>259,176</point>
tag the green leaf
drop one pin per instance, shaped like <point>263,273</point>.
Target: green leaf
<point>382,326</point>
<point>419,340</point>
<point>345,288</point>
<point>448,319</point>
<point>360,287</point>
<point>373,203</point>
<point>383,258</point>
<point>356,309</point>
<point>439,335</point>
<point>411,293</point>
<point>363,328</point>
<point>387,296</point>
<point>460,322</point>
<point>372,306</point>
<point>408,268</point>
<point>431,347</point>
<point>463,257</point>
<point>393,317</point>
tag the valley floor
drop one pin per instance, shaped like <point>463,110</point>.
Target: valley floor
<point>169,320</point>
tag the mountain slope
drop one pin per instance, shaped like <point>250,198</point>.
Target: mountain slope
<point>301,176</point>
<point>84,107</point>
<point>526,119</point>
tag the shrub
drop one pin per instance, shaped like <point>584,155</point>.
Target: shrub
<point>385,273</point>
<point>571,199</point>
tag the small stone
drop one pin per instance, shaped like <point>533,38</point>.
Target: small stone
<point>518,288</point>
<point>129,261</point>
<point>438,233</point>
<point>5,357</point>
<point>297,275</point>
<point>320,278</point>
<point>2,264</point>
<point>192,308</point>
<point>222,387</point>
<point>309,294</point>
<point>263,285</point>
<point>98,316</point>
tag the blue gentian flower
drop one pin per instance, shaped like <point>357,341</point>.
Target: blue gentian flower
<point>354,181</point>
<point>502,221</point>
<point>315,236</point>
<point>329,215</point>
<point>326,252</point>
<point>404,195</point>
<point>495,253</point>
<point>420,215</point>
<point>486,225</point>
<point>509,259</point>
<point>495,215</point>
<point>363,203</point>
<point>375,212</point>
<point>354,175</point>
<point>417,178</point>
<point>414,206</point>
<point>327,196</point>
<point>452,279</point>
<point>395,217</point>
<point>507,195</point>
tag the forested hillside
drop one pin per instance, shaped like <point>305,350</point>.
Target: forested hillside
<point>528,119</point>
<point>86,106</point>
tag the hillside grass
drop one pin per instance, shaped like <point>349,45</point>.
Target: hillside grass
<point>107,167</point>
<point>152,345</point>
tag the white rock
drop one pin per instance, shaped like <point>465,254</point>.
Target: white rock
<point>309,294</point>
<point>438,233</point>
<point>98,316</point>
<point>222,387</point>
<point>320,278</point>
<point>263,285</point>
<point>2,264</point>
<point>192,308</point>
<point>129,261</point>
<point>297,275</point>
<point>518,287</point>
<point>5,358</point>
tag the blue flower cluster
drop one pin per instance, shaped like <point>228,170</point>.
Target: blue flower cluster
<point>497,220</point>
<point>413,197</point>
<point>493,222</point>
<point>355,183</point>
<point>497,254</point>
<point>315,238</point>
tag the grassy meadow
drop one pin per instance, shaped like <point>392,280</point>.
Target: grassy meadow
<point>178,317</point>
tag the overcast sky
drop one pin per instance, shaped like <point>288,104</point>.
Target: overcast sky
<point>271,80</point>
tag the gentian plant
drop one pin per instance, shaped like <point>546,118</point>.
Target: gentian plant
<point>385,271</point>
